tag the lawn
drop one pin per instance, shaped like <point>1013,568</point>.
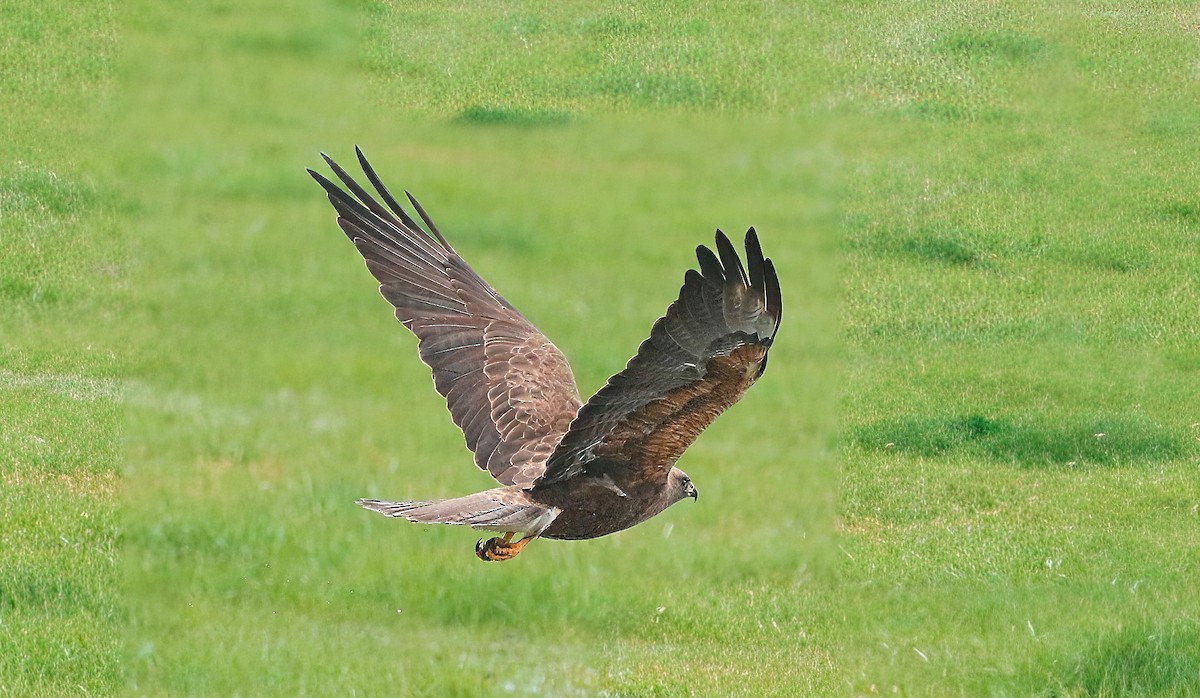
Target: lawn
<point>971,469</point>
<point>60,407</point>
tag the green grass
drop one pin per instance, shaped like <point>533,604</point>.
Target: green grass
<point>970,469</point>
<point>59,401</point>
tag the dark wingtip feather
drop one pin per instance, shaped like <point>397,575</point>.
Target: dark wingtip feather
<point>709,266</point>
<point>361,194</point>
<point>376,182</point>
<point>754,259</point>
<point>335,192</point>
<point>428,221</point>
<point>729,259</point>
<point>337,169</point>
<point>774,298</point>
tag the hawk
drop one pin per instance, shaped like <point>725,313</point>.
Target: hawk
<point>567,469</point>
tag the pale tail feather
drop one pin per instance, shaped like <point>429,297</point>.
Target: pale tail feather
<point>483,510</point>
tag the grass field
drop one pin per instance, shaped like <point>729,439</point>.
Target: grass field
<point>972,468</point>
<point>60,407</point>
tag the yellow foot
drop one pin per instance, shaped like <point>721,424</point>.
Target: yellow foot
<point>499,549</point>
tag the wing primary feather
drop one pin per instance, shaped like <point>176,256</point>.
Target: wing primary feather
<point>428,221</point>
<point>774,299</point>
<point>754,260</point>
<point>398,248</point>
<point>336,195</point>
<point>376,217</point>
<point>357,224</point>
<point>709,266</point>
<point>357,190</point>
<point>350,211</point>
<point>383,190</point>
<point>729,258</point>
<point>691,298</point>
<point>397,268</point>
<point>345,204</point>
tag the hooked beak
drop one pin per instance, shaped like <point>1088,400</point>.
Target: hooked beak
<point>693,493</point>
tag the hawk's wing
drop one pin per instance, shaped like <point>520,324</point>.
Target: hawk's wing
<point>508,388</point>
<point>700,358</point>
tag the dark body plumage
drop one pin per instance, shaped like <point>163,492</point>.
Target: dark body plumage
<point>567,470</point>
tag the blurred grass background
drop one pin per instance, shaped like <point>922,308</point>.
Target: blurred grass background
<point>985,219</point>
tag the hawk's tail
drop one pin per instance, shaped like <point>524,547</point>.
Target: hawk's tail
<point>489,510</point>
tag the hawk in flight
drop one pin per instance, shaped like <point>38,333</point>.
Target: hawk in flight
<point>567,469</point>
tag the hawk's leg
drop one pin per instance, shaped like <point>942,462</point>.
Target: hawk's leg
<point>500,549</point>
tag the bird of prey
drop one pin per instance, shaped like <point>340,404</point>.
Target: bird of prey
<point>567,469</point>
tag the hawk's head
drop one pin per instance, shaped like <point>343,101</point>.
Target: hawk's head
<point>681,486</point>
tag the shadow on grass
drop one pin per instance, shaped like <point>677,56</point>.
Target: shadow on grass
<point>1110,260</point>
<point>994,46</point>
<point>479,115</point>
<point>24,589</point>
<point>1181,212</point>
<point>613,27</point>
<point>943,250</point>
<point>658,89</point>
<point>954,248</point>
<point>23,290</point>
<point>1101,441</point>
<point>950,110</point>
<point>1186,360</point>
<point>36,192</point>
<point>1136,662</point>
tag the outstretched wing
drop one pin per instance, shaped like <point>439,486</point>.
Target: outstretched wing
<point>508,388</point>
<point>700,358</point>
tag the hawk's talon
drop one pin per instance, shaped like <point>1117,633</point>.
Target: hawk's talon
<point>499,549</point>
